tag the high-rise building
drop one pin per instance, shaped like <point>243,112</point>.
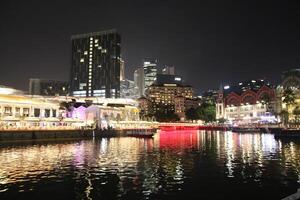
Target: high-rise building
<point>96,60</point>
<point>167,78</point>
<point>129,90</point>
<point>150,71</point>
<point>168,70</point>
<point>48,87</point>
<point>165,97</point>
<point>139,80</point>
<point>122,70</point>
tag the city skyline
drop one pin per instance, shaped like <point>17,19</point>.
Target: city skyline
<point>207,42</point>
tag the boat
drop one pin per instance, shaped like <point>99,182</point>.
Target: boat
<point>141,133</point>
<point>288,133</point>
<point>245,129</point>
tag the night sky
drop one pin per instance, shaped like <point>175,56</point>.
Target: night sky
<point>208,42</point>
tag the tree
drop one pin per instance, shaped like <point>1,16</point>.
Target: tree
<point>191,114</point>
<point>289,98</point>
<point>284,116</point>
<point>266,100</point>
<point>207,112</point>
<point>165,113</point>
<point>222,120</point>
<point>296,112</point>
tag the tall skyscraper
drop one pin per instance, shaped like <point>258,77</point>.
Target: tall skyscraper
<point>139,80</point>
<point>48,87</point>
<point>168,70</point>
<point>122,70</point>
<point>150,71</point>
<point>96,59</point>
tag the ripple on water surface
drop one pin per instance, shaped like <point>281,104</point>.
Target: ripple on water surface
<point>184,164</point>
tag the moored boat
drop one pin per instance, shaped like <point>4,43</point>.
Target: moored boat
<point>245,129</point>
<point>142,133</point>
<point>288,133</point>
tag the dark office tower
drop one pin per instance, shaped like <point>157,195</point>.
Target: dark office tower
<point>95,69</point>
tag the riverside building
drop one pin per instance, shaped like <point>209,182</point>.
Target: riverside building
<point>247,102</point>
<point>48,87</point>
<point>169,97</point>
<point>96,60</point>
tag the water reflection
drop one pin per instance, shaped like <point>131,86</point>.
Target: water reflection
<point>173,164</point>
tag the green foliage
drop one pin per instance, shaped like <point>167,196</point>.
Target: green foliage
<point>191,114</point>
<point>296,112</point>
<point>165,113</point>
<point>207,112</point>
<point>222,120</point>
<point>284,116</point>
<point>289,96</point>
<point>266,99</point>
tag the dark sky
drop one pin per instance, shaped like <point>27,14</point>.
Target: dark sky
<point>208,42</point>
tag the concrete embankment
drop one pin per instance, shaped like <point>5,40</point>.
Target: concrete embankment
<point>53,134</point>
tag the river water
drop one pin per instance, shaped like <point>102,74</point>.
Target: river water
<point>172,165</point>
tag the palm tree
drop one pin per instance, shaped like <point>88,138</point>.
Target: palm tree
<point>289,98</point>
<point>296,112</point>
<point>284,116</point>
<point>266,100</point>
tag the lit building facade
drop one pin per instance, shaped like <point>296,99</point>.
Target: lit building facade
<point>150,72</point>
<point>247,102</point>
<point>169,70</point>
<point>164,95</point>
<point>139,80</point>
<point>122,70</point>
<point>144,107</point>
<point>96,60</point>
<point>48,87</point>
<point>21,106</point>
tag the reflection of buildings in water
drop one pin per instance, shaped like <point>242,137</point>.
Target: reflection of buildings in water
<point>117,156</point>
<point>26,163</point>
<point>149,165</point>
<point>179,139</point>
<point>245,155</point>
<point>290,157</point>
<point>228,145</point>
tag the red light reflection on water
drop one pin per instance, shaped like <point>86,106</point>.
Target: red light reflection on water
<point>179,139</point>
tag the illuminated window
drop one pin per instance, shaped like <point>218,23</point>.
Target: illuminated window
<point>81,60</point>
<point>25,112</point>
<point>17,109</point>
<point>7,111</point>
<point>85,53</point>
